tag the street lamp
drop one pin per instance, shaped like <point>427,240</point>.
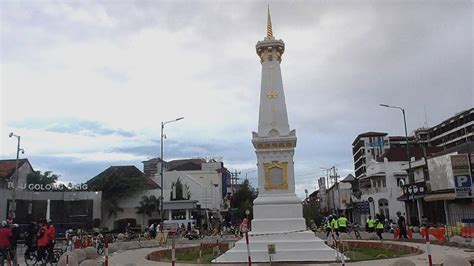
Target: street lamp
<point>162,165</point>
<point>15,181</point>
<point>410,176</point>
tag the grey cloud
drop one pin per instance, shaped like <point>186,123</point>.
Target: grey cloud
<point>412,54</point>
<point>71,125</point>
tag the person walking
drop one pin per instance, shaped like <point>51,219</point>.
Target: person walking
<point>342,223</point>
<point>6,240</point>
<point>402,225</point>
<point>335,225</point>
<point>43,240</point>
<point>151,230</point>
<point>370,225</point>
<point>51,237</point>
<point>328,225</point>
<point>30,239</point>
<point>379,227</point>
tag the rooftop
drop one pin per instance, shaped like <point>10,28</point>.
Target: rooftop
<point>7,167</point>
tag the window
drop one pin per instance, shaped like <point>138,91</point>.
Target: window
<point>178,214</point>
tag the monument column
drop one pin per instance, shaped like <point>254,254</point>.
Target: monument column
<point>277,211</point>
<point>274,145</point>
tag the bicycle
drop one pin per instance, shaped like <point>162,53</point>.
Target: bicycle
<point>31,258</point>
<point>354,228</point>
<point>5,254</point>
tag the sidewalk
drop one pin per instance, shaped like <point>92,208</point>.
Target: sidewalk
<point>439,253</point>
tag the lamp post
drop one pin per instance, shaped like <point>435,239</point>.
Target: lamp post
<point>15,181</point>
<point>162,165</point>
<point>411,180</point>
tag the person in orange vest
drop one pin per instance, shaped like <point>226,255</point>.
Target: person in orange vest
<point>51,236</point>
<point>43,240</point>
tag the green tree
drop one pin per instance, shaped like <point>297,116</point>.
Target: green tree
<point>112,206</point>
<point>242,200</point>
<point>147,206</point>
<point>311,213</point>
<point>116,185</point>
<point>179,192</point>
<point>46,178</point>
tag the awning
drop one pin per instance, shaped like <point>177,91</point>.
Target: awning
<point>441,196</point>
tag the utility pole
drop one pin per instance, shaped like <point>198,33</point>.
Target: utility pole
<point>234,178</point>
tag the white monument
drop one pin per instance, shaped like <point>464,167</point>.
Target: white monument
<point>277,211</point>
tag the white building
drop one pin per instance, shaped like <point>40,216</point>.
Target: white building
<point>339,195</point>
<point>382,184</point>
<point>204,182</point>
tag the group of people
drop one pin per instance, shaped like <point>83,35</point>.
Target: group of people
<point>376,225</point>
<point>40,238</point>
<point>340,224</point>
<point>379,225</point>
<point>336,223</point>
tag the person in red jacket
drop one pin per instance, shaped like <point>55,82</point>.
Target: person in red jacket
<point>43,241</point>
<point>51,233</point>
<point>5,238</point>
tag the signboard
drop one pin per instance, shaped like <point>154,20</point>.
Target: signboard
<point>415,189</point>
<point>462,175</point>
<point>377,143</point>
<point>271,249</point>
<point>363,207</point>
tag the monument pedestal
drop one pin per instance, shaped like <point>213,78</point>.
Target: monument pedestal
<point>289,247</point>
<point>278,219</point>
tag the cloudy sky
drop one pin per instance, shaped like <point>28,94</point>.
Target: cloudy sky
<point>87,83</point>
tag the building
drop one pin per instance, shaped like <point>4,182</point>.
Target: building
<point>203,181</point>
<point>71,206</point>
<point>120,207</point>
<point>371,145</point>
<point>323,196</point>
<point>454,131</point>
<point>387,157</point>
<point>8,173</point>
<point>339,196</point>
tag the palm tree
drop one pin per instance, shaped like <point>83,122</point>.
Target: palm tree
<point>148,205</point>
<point>112,206</point>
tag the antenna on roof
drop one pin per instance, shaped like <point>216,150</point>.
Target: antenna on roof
<point>426,117</point>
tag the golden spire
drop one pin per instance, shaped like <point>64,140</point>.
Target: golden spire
<point>269,25</point>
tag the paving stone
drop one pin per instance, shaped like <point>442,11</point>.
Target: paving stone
<point>72,260</point>
<point>88,263</point>
<point>458,240</point>
<point>113,248</point>
<point>403,262</point>
<point>451,260</point>
<point>81,255</point>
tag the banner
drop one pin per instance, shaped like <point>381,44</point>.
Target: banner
<point>462,175</point>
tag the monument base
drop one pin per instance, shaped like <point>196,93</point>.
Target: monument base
<point>289,247</point>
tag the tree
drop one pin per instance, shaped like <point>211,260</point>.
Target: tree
<point>180,192</point>
<point>46,178</point>
<point>311,213</point>
<point>242,200</point>
<point>117,183</point>
<point>112,206</point>
<point>147,206</point>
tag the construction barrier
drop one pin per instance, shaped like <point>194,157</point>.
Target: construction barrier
<point>453,230</point>
<point>438,233</point>
<point>467,231</point>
